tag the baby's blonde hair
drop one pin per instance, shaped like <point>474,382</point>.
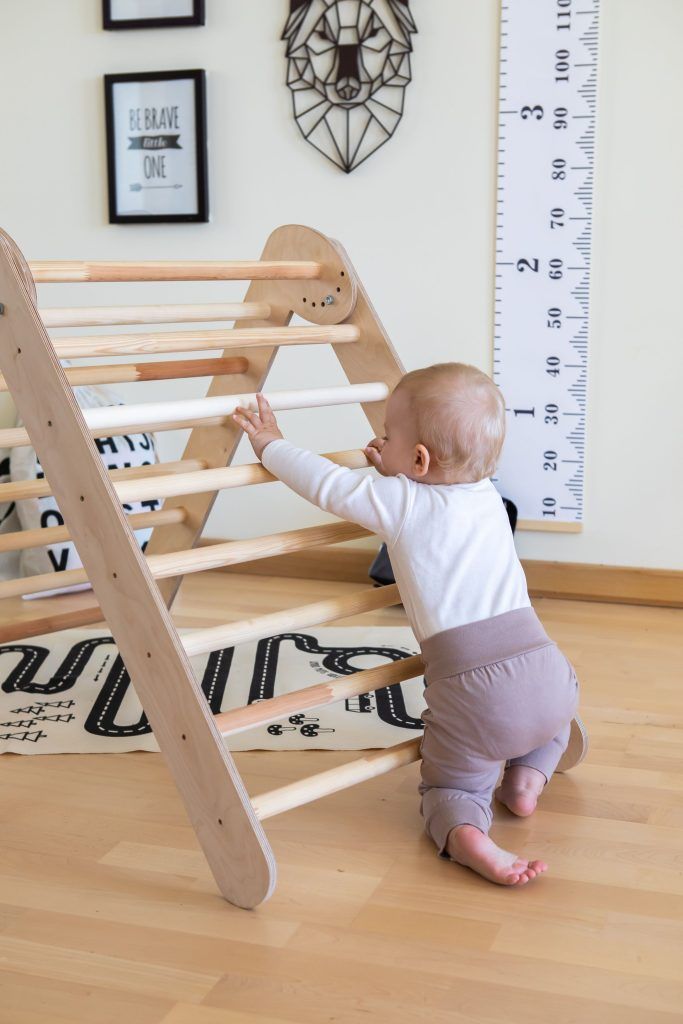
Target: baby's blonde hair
<point>459,416</point>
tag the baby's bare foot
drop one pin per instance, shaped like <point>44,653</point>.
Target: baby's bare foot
<point>470,847</point>
<point>520,789</point>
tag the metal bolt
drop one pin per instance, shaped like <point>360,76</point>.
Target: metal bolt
<point>328,300</point>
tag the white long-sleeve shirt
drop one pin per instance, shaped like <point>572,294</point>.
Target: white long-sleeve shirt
<point>450,545</point>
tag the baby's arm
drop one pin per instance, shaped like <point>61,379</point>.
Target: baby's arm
<point>380,505</point>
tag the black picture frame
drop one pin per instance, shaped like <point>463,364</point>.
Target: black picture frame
<point>200,166</point>
<point>198,17</point>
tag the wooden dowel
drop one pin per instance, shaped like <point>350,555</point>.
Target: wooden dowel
<point>118,419</point>
<point>20,489</point>
<point>178,563</point>
<point>40,536</point>
<point>151,343</point>
<point>224,405</point>
<point>42,625</point>
<point>220,479</point>
<point>17,437</point>
<point>105,316</point>
<point>50,271</point>
<point>214,638</point>
<point>276,801</point>
<point>118,373</point>
<point>318,696</point>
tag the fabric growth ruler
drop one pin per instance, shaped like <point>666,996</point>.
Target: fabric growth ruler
<point>546,125</point>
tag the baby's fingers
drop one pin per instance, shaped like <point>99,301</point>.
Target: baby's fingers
<point>373,456</point>
<point>248,421</point>
<point>265,411</point>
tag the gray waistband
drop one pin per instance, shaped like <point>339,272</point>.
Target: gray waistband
<point>482,643</point>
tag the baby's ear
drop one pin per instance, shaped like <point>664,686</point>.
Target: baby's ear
<point>421,460</point>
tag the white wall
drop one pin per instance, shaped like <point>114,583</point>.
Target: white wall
<point>416,218</point>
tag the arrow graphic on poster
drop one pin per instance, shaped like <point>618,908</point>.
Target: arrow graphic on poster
<point>137,187</point>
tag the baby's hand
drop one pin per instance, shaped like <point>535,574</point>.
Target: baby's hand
<point>373,452</point>
<point>261,427</point>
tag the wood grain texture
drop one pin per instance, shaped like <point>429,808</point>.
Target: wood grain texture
<point>168,313</point>
<point>214,796</point>
<point>320,695</point>
<point>313,787</point>
<point>108,909</point>
<point>218,443</point>
<point>46,271</point>
<point>17,490</point>
<point>177,563</point>
<point>543,526</point>
<point>228,634</point>
<point>156,342</point>
<point>175,369</point>
<point>38,537</point>
<point>572,581</point>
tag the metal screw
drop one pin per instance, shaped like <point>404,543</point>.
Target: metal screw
<point>328,300</point>
<point>2,308</point>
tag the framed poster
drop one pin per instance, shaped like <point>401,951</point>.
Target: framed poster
<point>156,147</point>
<point>152,13</point>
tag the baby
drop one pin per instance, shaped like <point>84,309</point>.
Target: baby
<point>499,691</point>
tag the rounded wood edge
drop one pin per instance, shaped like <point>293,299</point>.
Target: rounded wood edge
<point>577,748</point>
<point>17,258</point>
<point>337,281</point>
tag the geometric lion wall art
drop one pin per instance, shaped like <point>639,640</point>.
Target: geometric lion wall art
<point>348,68</point>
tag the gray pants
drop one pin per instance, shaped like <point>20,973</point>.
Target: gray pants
<point>499,692</point>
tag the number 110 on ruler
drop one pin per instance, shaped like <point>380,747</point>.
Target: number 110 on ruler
<point>546,124</point>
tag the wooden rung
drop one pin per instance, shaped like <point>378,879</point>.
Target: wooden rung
<point>178,563</point>
<point>118,419</point>
<point>318,696</point>
<point>22,629</point>
<point>151,343</point>
<point>23,539</point>
<point>107,316</point>
<point>276,801</point>
<point>224,405</point>
<point>51,271</point>
<point>119,373</point>
<point>18,490</point>
<point>232,633</point>
<point>222,478</point>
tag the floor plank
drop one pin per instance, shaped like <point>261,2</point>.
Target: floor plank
<point>108,911</point>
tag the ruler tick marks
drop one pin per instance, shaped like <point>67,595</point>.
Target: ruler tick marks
<point>541,294</point>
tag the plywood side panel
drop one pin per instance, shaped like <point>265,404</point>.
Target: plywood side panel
<point>214,796</point>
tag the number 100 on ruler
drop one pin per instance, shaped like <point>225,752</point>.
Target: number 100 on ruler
<point>546,124</point>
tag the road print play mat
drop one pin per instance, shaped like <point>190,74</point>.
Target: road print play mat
<point>70,693</point>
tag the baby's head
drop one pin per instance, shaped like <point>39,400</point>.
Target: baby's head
<point>444,424</point>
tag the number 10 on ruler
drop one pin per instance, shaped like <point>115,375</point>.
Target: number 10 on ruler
<point>546,124</point>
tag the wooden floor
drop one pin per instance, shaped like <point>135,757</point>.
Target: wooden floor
<point>108,912</point>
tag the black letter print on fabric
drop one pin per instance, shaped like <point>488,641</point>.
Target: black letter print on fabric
<point>391,706</point>
<point>102,718</point>
<point>4,471</point>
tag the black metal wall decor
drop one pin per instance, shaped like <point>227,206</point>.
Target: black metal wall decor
<point>348,68</point>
